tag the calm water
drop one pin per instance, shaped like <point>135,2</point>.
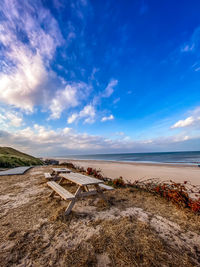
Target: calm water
<point>164,157</point>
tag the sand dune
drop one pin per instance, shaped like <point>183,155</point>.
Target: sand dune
<point>137,228</point>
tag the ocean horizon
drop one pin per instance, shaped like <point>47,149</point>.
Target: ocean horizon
<point>186,157</point>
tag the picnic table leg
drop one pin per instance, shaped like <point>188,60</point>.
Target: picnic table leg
<point>61,179</point>
<point>56,176</point>
<point>86,188</point>
<point>72,202</point>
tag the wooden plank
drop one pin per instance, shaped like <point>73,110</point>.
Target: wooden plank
<point>47,175</point>
<point>72,202</point>
<point>107,187</point>
<point>59,182</point>
<point>66,195</point>
<point>62,170</point>
<point>80,179</point>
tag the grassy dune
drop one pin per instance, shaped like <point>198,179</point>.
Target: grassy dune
<point>10,157</point>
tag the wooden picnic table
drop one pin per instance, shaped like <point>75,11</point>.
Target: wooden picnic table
<point>84,184</point>
<point>55,173</point>
<point>60,170</point>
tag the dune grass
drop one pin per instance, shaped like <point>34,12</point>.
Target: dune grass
<point>10,158</point>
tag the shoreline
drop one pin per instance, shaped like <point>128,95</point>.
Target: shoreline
<point>131,171</point>
<point>140,163</point>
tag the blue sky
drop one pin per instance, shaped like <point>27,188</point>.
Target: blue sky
<point>99,76</point>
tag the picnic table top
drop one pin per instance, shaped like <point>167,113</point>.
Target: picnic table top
<point>81,179</point>
<point>61,170</point>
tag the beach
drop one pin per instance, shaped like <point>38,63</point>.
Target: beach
<point>35,232</point>
<point>132,171</point>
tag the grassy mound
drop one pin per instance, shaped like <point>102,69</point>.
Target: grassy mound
<point>10,157</point>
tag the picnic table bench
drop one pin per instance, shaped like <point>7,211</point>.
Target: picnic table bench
<point>84,184</point>
<point>47,175</point>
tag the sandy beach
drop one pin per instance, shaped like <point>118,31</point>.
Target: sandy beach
<point>35,232</point>
<point>134,171</point>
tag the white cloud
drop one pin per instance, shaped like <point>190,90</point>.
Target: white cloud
<point>65,99</point>
<point>88,113</point>
<point>191,121</point>
<point>109,118</point>
<point>45,141</point>
<point>194,43</point>
<point>110,88</point>
<point>29,38</point>
<point>14,119</point>
<point>184,123</point>
<point>116,100</point>
<point>10,118</point>
<point>186,137</point>
<point>188,48</point>
<point>66,130</point>
<point>41,140</point>
<point>21,87</point>
<point>120,133</point>
<point>25,73</point>
<point>94,71</point>
<point>72,118</point>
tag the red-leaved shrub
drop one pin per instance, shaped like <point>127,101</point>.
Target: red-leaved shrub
<point>95,173</point>
<point>182,194</point>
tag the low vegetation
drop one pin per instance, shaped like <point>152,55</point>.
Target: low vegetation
<point>10,158</point>
<point>137,228</point>
<point>183,195</point>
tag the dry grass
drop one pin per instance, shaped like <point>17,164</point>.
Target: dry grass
<point>159,206</point>
<point>136,229</point>
<point>134,243</point>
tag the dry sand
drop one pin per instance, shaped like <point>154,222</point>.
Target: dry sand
<point>135,171</point>
<point>136,229</point>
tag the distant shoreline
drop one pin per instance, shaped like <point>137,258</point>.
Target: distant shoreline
<point>132,171</point>
<point>140,163</point>
<point>190,158</point>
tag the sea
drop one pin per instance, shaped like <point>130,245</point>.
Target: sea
<point>191,157</point>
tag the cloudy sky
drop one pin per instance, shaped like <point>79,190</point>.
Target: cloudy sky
<point>80,76</point>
